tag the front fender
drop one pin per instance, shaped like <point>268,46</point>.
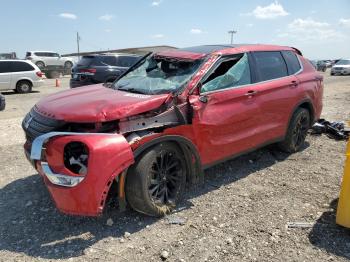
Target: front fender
<point>109,155</point>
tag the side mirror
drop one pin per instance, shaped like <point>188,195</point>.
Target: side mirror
<point>108,84</point>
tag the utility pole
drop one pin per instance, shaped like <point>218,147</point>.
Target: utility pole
<point>231,32</point>
<point>78,39</point>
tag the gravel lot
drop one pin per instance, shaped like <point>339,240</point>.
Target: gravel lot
<point>240,213</point>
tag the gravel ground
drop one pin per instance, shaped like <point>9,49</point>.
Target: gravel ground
<point>240,213</point>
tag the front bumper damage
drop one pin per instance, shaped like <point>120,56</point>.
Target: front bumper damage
<point>108,156</point>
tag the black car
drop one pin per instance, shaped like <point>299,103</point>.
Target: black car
<point>101,68</point>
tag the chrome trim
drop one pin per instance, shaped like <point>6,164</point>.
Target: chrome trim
<point>59,179</point>
<point>38,142</point>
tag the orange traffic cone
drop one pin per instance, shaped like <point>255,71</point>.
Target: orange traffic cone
<point>57,83</point>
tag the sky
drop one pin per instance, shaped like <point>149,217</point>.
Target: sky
<point>319,28</point>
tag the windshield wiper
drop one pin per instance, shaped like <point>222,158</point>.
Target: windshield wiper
<point>131,90</point>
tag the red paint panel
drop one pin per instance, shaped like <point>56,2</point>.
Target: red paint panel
<point>180,54</point>
<point>108,156</point>
<point>97,103</point>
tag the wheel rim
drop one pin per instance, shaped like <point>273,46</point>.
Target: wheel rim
<point>166,175</point>
<point>25,87</point>
<point>300,131</point>
<point>68,65</point>
<point>40,65</point>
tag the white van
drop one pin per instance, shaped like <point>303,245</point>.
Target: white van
<point>19,75</point>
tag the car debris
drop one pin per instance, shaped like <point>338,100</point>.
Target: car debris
<point>335,130</point>
<point>175,220</point>
<point>300,224</point>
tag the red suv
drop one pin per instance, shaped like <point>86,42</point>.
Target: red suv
<point>171,115</point>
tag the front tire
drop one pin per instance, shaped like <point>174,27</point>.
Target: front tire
<point>2,103</point>
<point>155,184</point>
<point>297,131</point>
<point>24,87</point>
<point>68,65</point>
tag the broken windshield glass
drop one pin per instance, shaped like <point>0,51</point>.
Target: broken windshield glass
<point>158,75</point>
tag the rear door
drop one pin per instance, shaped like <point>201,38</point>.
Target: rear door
<point>5,75</point>
<point>22,70</point>
<point>226,113</point>
<point>277,94</point>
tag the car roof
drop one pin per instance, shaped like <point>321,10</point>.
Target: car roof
<point>15,60</point>
<point>114,54</point>
<point>197,52</point>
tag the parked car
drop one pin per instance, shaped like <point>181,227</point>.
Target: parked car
<point>342,67</point>
<point>321,66</point>
<point>43,59</point>
<point>19,75</point>
<point>173,114</point>
<point>11,55</point>
<point>2,102</point>
<point>93,69</point>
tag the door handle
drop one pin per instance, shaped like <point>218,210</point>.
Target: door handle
<point>251,93</point>
<point>294,83</point>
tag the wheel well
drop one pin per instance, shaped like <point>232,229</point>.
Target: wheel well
<point>24,80</point>
<point>308,106</point>
<point>40,62</point>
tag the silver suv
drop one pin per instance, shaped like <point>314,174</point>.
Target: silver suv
<point>43,59</point>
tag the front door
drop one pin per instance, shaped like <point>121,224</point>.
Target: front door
<point>226,114</point>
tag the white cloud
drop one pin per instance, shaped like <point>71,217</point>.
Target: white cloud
<point>68,16</point>
<point>157,36</point>
<point>270,11</point>
<point>156,3</point>
<point>310,30</point>
<point>344,22</point>
<point>107,30</point>
<point>249,25</point>
<point>106,17</point>
<point>196,31</point>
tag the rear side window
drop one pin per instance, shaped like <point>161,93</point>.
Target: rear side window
<point>107,61</point>
<point>126,61</point>
<point>5,67</point>
<point>86,60</point>
<point>40,54</point>
<point>19,66</point>
<point>270,65</point>
<point>292,62</point>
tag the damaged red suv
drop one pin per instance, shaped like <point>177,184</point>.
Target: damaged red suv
<point>165,120</point>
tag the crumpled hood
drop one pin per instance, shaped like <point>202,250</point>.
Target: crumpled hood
<point>97,103</point>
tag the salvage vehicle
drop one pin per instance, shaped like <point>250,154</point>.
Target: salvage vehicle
<point>19,75</point>
<point>43,59</point>
<point>94,69</point>
<point>170,116</point>
<point>342,67</point>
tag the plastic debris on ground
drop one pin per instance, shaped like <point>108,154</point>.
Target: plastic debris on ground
<point>335,130</point>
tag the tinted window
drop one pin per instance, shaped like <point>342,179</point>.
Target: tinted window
<point>107,61</point>
<point>28,54</point>
<point>19,66</point>
<point>292,62</point>
<point>40,54</point>
<point>234,72</point>
<point>270,65</point>
<point>126,61</point>
<point>5,67</point>
<point>86,60</point>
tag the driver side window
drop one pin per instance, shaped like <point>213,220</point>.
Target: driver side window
<point>233,72</point>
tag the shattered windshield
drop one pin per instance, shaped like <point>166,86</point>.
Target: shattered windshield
<point>158,75</point>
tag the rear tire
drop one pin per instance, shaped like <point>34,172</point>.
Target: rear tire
<point>155,184</point>
<point>24,87</point>
<point>297,131</point>
<point>2,103</point>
